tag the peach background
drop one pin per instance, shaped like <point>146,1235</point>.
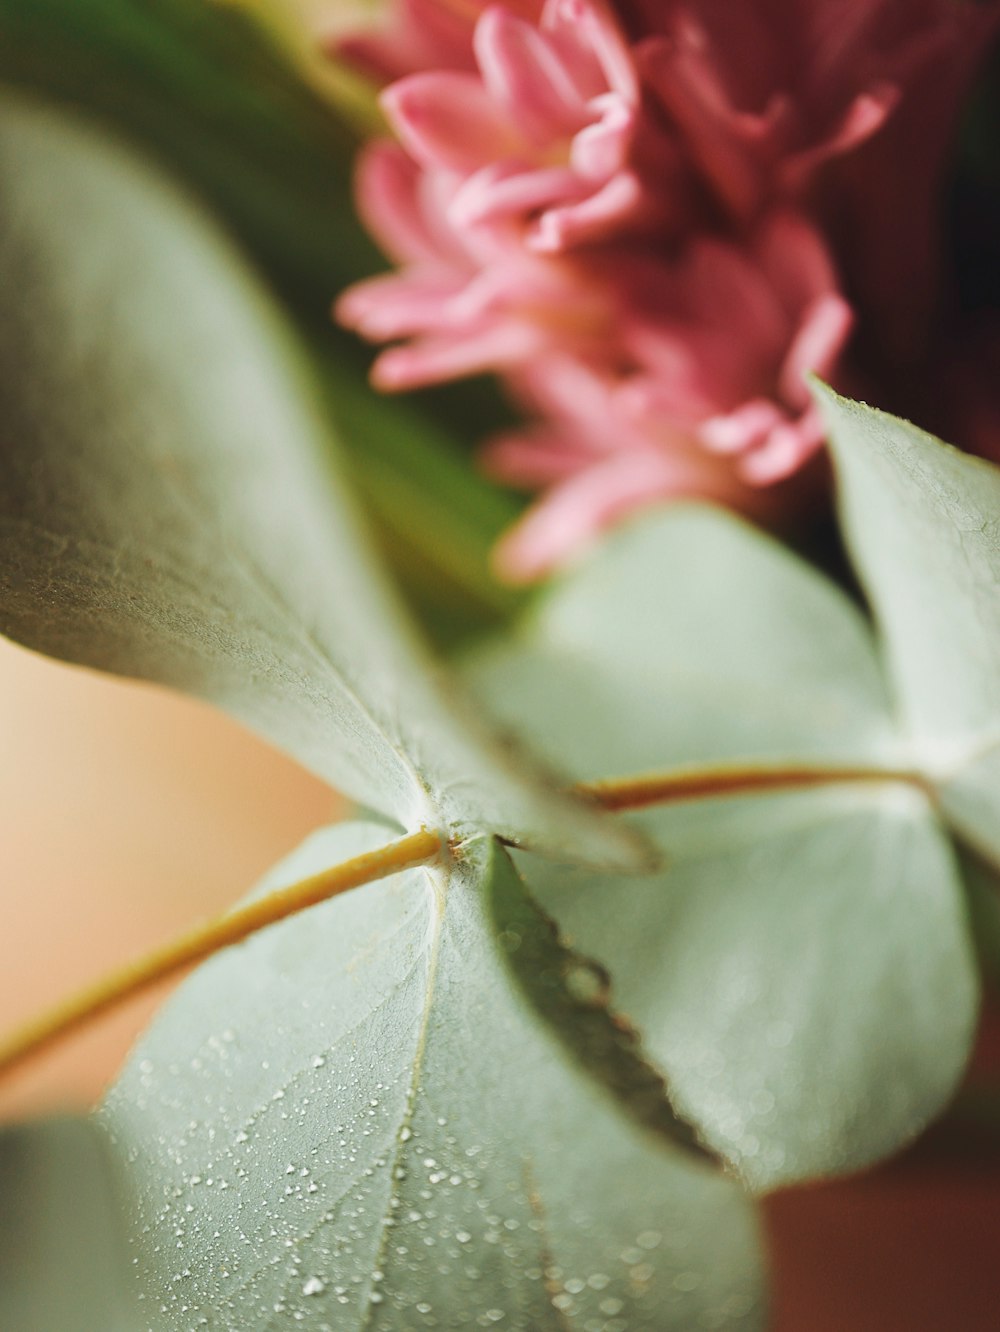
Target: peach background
<point>128,814</point>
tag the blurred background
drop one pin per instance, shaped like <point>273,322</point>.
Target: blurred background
<point>129,814</point>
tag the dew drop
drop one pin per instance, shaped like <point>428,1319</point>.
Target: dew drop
<point>587,982</point>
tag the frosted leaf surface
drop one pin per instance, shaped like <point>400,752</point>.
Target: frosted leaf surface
<point>801,970</point>
<point>923,523</point>
<point>409,1108</point>
<point>741,649</point>
<point>168,508</point>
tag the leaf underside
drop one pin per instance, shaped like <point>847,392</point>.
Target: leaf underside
<point>923,524</point>
<point>207,93</point>
<point>801,970</point>
<point>360,1120</point>
<point>168,511</point>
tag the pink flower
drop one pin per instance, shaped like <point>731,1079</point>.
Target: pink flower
<point>648,222</point>
<point>848,106</point>
<point>767,92</point>
<point>597,457</point>
<point>419,34</point>
<point>469,298</point>
<point>708,399</point>
<point>723,337</point>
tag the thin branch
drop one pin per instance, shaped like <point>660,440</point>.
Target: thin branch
<point>203,940</point>
<point>664,788</point>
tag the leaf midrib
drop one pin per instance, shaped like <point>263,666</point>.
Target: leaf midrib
<point>437,886</point>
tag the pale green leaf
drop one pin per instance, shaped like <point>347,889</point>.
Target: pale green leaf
<point>201,87</point>
<point>167,509</point>
<point>358,1120</point>
<point>740,650</point>
<point>923,523</point>
<point>62,1245</point>
<point>801,971</point>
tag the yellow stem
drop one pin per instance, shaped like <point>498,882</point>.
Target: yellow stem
<point>203,940</point>
<point>662,788</point>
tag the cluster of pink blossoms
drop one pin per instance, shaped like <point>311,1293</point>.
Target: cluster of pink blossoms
<point>652,219</point>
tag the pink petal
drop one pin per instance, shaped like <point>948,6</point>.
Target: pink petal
<point>503,191</point>
<point>691,91</point>
<point>864,117</point>
<point>569,517</point>
<point>397,304</point>
<point>491,289</point>
<point>592,219</point>
<point>743,429</point>
<point>602,148</point>
<point>572,514</point>
<point>533,457</point>
<point>725,287</point>
<point>388,192</point>
<point>786,450</point>
<point>823,333</point>
<point>681,389</point>
<point>469,352</point>
<point>415,35</point>
<point>447,119</point>
<point>582,399</point>
<point>536,287</point>
<point>591,24</point>
<point>795,259</point>
<point>523,73</point>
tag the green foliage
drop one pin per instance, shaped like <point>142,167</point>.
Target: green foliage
<point>801,969</point>
<point>801,972</point>
<point>923,523</point>
<point>62,1253</point>
<point>169,510</point>
<point>358,1121</point>
<point>197,85</point>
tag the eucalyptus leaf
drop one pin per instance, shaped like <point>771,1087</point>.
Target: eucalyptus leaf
<point>412,1108</point>
<point>801,971</point>
<point>923,523</point>
<point>734,645</point>
<point>168,510</point>
<point>200,87</point>
<point>62,1243</point>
